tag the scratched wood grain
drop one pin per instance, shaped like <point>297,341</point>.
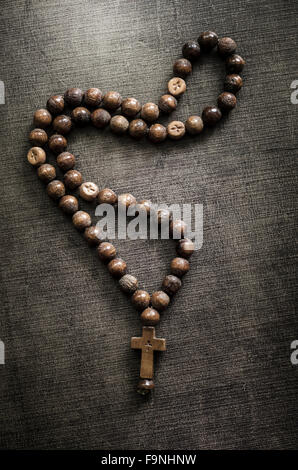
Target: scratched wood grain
<point>226,380</point>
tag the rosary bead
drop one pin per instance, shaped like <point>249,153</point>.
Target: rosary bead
<point>160,300</point>
<point>100,118</point>
<point>88,191</point>
<point>145,386</point>
<point>38,137</point>
<point>208,40</point>
<point>163,216</point>
<point>211,115</point>
<point>235,63</point>
<point>176,130</point>
<point>36,156</point>
<point>226,101</point>
<point>62,124</point>
<point>157,133</point>
<point>126,200</point>
<point>185,248</point>
<point>73,97</point>
<point>69,204</point>
<point>150,317</point>
<point>138,128</point>
<point>128,284</point>
<point>66,161</point>
<point>55,104</point>
<point>194,125</point>
<point>93,235</point>
<point>182,67</point>
<point>145,205</point>
<point>46,172</point>
<point>179,266</point>
<point>176,86</point>
<point>81,116</point>
<point>233,83</point>
<point>106,251</point>
<point>72,179</point>
<point>226,46</point>
<point>178,228</point>
<point>191,50</point>
<point>107,196</point>
<point>167,103</point>
<point>112,100</point>
<point>93,97</point>
<point>140,299</point>
<point>56,189</point>
<point>171,284</point>
<point>130,107</point>
<point>42,118</point>
<point>119,124</point>
<point>117,267</point>
<point>57,143</point>
<point>150,112</point>
<point>81,220</point>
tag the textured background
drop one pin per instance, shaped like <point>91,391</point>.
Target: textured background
<point>226,380</point>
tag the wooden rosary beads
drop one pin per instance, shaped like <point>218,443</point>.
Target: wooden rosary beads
<point>102,107</point>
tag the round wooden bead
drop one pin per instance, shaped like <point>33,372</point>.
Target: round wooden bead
<point>119,124</point>
<point>178,228</point>
<point>117,267</point>
<point>93,235</point>
<point>185,248</point>
<point>100,118</point>
<point>128,284</point>
<point>57,143</point>
<point>93,97</point>
<point>208,40</point>
<point>81,220</point>
<point>73,97</point>
<point>194,125</point>
<point>145,386</point>
<point>226,101</point>
<point>233,83</point>
<point>55,104</point>
<point>226,46</point>
<point>144,206</point>
<point>211,115</point>
<point>42,118</point>
<point>81,116</point>
<point>38,137</point>
<point>130,107</point>
<point>171,284</point>
<point>36,156</point>
<point>126,200</point>
<point>150,112</point>
<point>66,161</point>
<point>56,189</point>
<point>88,191</point>
<point>182,67</point>
<point>163,216</point>
<point>167,103</point>
<point>107,196</point>
<point>157,133</point>
<point>106,251</point>
<point>191,51</point>
<point>150,317</point>
<point>235,63</point>
<point>137,128</point>
<point>176,86</point>
<point>160,300</point>
<point>46,172</point>
<point>62,124</point>
<point>179,266</point>
<point>72,179</point>
<point>112,100</point>
<point>176,130</point>
<point>69,204</point>
<point>140,299</point>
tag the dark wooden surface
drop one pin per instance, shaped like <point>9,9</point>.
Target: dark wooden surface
<point>226,380</point>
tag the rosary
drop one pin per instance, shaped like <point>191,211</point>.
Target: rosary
<point>102,110</point>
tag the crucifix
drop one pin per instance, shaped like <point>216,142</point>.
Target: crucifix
<point>148,343</point>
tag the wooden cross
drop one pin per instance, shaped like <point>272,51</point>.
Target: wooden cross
<point>148,343</point>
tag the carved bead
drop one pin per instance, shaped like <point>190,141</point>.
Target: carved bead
<point>128,284</point>
<point>167,103</point>
<point>176,130</point>
<point>100,118</point>
<point>194,125</point>
<point>112,100</point>
<point>157,133</point>
<point>185,248</point>
<point>55,104</point>
<point>81,220</point>
<point>107,196</point>
<point>130,107</point>
<point>171,284</point>
<point>150,317</point>
<point>106,251</point>
<point>176,86</point>
<point>62,124</point>
<point>117,267</point>
<point>36,156</point>
<point>226,46</point>
<point>138,128</point>
<point>150,112</point>
<point>56,189</point>
<point>119,124</point>
<point>160,300</point>
<point>46,173</point>
<point>179,266</point>
<point>57,143</point>
<point>226,101</point>
<point>66,161</point>
<point>140,299</point>
<point>38,137</point>
<point>88,191</point>
<point>73,179</point>
<point>69,204</point>
<point>182,67</point>
<point>233,83</point>
<point>93,235</point>
<point>73,97</point>
<point>81,116</point>
<point>42,118</point>
<point>93,97</point>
